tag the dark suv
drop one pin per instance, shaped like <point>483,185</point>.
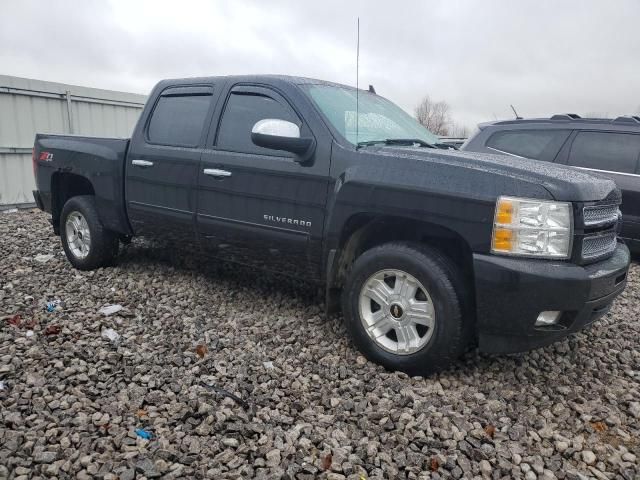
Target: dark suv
<point>610,148</point>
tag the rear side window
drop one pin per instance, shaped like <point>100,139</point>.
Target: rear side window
<point>617,152</point>
<point>178,120</point>
<point>243,110</point>
<point>538,144</point>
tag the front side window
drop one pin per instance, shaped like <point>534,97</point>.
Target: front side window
<point>617,152</point>
<point>536,144</point>
<point>178,120</point>
<point>243,111</point>
<point>378,118</point>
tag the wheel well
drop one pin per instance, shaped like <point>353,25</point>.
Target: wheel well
<point>364,232</point>
<point>63,187</point>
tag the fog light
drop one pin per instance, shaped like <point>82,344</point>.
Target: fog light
<point>548,318</point>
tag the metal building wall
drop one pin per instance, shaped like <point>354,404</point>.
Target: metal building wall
<point>29,106</point>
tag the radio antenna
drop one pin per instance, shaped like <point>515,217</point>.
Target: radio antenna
<point>518,117</point>
<point>357,81</point>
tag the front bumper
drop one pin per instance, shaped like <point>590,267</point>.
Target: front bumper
<point>511,293</point>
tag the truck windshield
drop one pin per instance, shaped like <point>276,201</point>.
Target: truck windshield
<point>379,120</point>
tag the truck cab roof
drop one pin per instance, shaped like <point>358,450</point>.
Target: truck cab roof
<point>269,79</point>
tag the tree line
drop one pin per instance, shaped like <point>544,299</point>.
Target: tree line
<point>436,117</point>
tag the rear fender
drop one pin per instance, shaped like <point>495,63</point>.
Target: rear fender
<point>85,166</point>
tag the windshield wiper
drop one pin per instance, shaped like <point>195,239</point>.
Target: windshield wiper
<point>409,142</point>
<point>445,146</point>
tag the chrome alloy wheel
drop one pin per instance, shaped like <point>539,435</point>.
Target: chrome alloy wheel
<point>78,235</point>
<point>397,311</point>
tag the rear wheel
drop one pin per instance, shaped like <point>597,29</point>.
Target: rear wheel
<point>86,242</point>
<point>402,308</point>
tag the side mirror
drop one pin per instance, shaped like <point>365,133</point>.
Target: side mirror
<point>278,134</point>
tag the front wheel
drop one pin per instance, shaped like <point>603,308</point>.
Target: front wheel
<point>86,242</point>
<point>402,308</point>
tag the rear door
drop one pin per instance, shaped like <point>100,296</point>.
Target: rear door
<point>539,144</point>
<point>258,206</point>
<point>163,162</point>
<point>617,156</point>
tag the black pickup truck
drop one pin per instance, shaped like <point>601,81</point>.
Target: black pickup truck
<point>427,251</point>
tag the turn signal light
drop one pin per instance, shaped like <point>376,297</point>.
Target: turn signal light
<point>504,211</point>
<point>502,239</point>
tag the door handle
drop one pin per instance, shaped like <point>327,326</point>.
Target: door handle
<point>214,172</point>
<point>142,163</point>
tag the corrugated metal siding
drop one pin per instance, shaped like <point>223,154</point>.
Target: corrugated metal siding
<point>16,178</point>
<point>28,106</point>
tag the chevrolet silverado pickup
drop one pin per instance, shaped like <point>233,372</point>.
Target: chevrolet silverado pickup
<point>427,251</point>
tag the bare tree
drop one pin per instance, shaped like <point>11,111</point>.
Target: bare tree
<point>434,116</point>
<point>458,130</point>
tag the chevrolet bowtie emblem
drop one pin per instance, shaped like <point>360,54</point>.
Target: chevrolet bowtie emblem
<point>396,311</point>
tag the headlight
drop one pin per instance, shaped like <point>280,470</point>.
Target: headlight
<point>535,228</point>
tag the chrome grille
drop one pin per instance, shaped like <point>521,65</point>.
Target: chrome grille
<point>598,245</point>
<point>598,215</point>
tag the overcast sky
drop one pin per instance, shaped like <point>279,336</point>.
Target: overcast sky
<point>543,56</point>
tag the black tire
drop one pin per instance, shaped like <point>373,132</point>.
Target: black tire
<point>440,277</point>
<point>104,243</point>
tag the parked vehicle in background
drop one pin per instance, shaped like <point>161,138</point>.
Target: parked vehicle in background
<point>606,147</point>
<point>455,142</point>
<point>428,250</point>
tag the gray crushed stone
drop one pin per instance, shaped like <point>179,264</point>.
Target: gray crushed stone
<point>237,374</point>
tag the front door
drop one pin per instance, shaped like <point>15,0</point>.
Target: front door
<point>258,206</point>
<point>163,163</point>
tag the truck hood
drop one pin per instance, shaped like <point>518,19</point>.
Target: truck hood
<point>564,183</point>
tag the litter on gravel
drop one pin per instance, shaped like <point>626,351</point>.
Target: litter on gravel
<point>14,320</point>
<point>111,335</point>
<point>52,330</point>
<point>51,305</point>
<point>226,393</point>
<point>110,309</point>
<point>142,433</point>
<point>43,258</point>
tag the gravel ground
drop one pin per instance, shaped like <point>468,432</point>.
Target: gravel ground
<point>306,404</point>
